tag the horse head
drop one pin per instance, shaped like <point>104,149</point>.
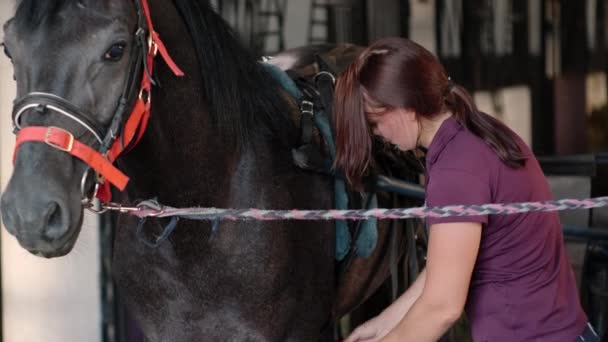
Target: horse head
<point>71,63</point>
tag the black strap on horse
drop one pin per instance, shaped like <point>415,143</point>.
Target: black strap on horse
<point>325,81</point>
<point>307,156</point>
<point>317,96</point>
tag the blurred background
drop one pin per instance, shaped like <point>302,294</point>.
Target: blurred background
<point>538,65</point>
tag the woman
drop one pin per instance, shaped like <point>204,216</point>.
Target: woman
<point>511,271</point>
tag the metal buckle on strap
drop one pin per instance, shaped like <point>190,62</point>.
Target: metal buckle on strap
<point>145,96</point>
<point>152,46</point>
<point>88,200</point>
<point>48,134</point>
<point>307,107</point>
<point>325,73</point>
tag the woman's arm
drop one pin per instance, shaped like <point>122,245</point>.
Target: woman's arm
<point>451,257</point>
<point>404,303</point>
<point>380,326</point>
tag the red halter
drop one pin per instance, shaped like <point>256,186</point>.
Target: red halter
<point>132,130</point>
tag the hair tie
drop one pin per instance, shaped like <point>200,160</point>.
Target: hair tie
<point>449,87</point>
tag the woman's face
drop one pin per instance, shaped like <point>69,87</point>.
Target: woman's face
<point>397,126</point>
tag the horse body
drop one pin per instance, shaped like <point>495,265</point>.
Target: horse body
<point>220,137</point>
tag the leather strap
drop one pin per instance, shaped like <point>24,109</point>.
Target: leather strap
<point>44,100</point>
<point>159,43</point>
<point>138,120</point>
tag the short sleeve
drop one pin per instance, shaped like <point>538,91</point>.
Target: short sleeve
<point>457,187</point>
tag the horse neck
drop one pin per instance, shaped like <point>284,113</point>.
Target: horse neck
<point>181,159</point>
<point>171,149</point>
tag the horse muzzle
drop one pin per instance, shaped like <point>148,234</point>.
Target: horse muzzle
<point>42,225</point>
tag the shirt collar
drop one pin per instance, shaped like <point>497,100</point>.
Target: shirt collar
<point>446,132</point>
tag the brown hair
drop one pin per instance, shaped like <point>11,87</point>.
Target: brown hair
<point>398,73</point>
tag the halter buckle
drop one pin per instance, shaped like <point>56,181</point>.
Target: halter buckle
<point>86,200</point>
<point>152,46</point>
<point>307,107</point>
<point>52,130</point>
<point>145,95</point>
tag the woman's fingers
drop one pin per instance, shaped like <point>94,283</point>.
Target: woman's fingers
<point>363,333</point>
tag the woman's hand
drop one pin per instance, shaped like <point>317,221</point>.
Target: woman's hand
<point>376,328</point>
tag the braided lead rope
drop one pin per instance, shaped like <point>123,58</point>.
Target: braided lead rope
<point>153,209</point>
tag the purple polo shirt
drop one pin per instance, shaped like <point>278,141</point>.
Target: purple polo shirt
<point>523,286</point>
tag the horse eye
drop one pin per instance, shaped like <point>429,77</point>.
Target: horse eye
<point>6,52</point>
<point>115,52</point>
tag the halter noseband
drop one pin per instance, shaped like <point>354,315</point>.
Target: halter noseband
<point>121,135</point>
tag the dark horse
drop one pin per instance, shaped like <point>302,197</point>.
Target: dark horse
<point>219,137</point>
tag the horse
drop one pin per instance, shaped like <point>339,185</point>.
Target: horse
<point>219,136</point>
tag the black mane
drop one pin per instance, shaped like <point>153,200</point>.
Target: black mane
<point>242,96</point>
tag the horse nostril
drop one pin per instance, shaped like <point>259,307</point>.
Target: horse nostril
<point>55,225</point>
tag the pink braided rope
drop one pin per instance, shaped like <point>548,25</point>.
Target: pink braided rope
<point>146,209</point>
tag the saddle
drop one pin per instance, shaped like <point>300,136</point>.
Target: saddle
<point>309,76</point>
<point>312,87</point>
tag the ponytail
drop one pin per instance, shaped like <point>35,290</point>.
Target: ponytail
<point>496,134</point>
